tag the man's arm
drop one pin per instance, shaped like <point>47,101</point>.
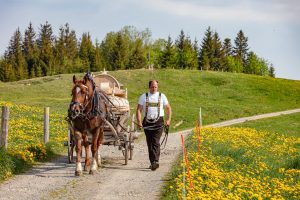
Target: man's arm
<point>139,115</point>
<point>169,113</point>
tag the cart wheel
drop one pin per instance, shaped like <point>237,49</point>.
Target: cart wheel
<point>70,148</point>
<point>70,154</point>
<point>130,150</point>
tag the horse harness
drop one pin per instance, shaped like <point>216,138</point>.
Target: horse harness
<point>95,99</point>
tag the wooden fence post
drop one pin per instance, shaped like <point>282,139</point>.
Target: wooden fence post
<point>200,118</point>
<point>46,125</point>
<point>4,126</point>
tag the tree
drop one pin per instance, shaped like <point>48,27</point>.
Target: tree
<point>227,47</point>
<point>186,55</point>
<point>240,49</point>
<point>155,53</point>
<point>272,71</point>
<point>60,52</point>
<point>197,51</point>
<point>207,50</point>
<point>137,59</point>
<point>15,57</point>
<point>119,56</point>
<point>6,71</point>
<point>71,45</point>
<point>234,64</point>
<point>97,59</point>
<point>30,50</point>
<point>218,58</point>
<point>45,45</point>
<point>256,65</point>
<point>253,64</point>
<point>86,51</point>
<point>168,55</point>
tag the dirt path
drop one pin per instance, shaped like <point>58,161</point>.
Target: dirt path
<point>56,180</point>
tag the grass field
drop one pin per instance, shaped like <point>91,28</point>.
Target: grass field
<point>261,162</point>
<point>222,96</point>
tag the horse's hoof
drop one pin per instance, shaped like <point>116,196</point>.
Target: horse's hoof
<point>87,168</point>
<point>78,173</point>
<point>92,172</point>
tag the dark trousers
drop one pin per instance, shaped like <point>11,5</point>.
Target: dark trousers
<point>153,134</point>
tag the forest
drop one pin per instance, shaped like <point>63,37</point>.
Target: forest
<point>35,54</point>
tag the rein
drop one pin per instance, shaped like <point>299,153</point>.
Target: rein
<point>155,127</point>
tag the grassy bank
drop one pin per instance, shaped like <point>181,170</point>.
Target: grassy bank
<point>241,162</point>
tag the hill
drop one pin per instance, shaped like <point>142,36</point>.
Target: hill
<point>222,96</point>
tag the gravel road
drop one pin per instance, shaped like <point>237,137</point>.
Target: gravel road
<point>56,180</point>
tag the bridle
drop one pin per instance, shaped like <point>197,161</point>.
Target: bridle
<point>72,113</point>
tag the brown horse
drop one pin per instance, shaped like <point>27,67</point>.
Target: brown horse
<point>86,115</point>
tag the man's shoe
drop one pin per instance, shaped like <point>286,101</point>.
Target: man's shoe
<point>154,166</point>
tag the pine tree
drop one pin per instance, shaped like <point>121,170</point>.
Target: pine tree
<point>97,59</point>
<point>119,54</point>
<point>218,58</point>
<point>60,52</point>
<point>186,55</point>
<point>168,55</point>
<point>15,57</point>
<point>86,52</point>
<point>179,43</point>
<point>71,46</point>
<point>45,45</point>
<point>227,47</point>
<point>30,50</point>
<point>6,71</point>
<point>197,51</point>
<point>137,59</point>
<point>207,50</point>
<point>240,49</point>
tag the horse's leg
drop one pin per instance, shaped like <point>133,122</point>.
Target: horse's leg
<point>78,169</point>
<point>99,142</point>
<point>94,149</point>
<point>87,163</point>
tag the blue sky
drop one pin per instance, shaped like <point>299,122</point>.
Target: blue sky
<point>272,26</point>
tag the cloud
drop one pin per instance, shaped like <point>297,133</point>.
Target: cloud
<point>253,11</point>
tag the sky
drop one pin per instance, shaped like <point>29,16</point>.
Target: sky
<point>272,26</point>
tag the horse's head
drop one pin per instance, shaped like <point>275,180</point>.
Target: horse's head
<point>82,93</point>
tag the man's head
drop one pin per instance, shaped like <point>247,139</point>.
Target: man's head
<point>153,86</point>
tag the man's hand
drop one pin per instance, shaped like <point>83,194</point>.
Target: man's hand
<point>140,125</point>
<point>168,122</point>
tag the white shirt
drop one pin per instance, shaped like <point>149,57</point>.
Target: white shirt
<point>153,98</point>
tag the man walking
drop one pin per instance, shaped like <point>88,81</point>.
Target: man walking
<point>152,104</point>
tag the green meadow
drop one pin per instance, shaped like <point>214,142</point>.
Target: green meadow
<point>221,96</point>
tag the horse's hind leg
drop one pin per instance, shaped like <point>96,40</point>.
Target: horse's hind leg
<point>78,170</point>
